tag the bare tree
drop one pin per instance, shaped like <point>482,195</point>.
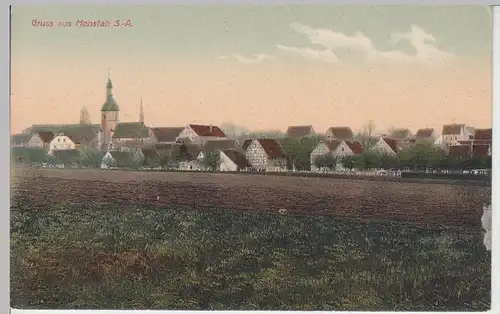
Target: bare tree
<point>367,134</point>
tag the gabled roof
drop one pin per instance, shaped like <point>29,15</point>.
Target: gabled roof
<point>237,157</point>
<point>425,133</point>
<point>207,130</point>
<point>46,136</point>
<point>246,143</point>
<point>21,139</point>
<point>341,132</point>
<point>131,130</point>
<point>391,142</point>
<point>272,147</point>
<point>78,131</point>
<point>355,146</point>
<point>483,134</point>
<point>451,129</point>
<point>167,134</point>
<point>299,130</point>
<point>215,145</point>
<point>400,133</point>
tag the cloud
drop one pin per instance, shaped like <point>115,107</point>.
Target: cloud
<point>255,59</point>
<point>325,55</point>
<point>332,41</point>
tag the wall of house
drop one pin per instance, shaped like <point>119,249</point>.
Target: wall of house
<point>226,164</point>
<point>189,134</point>
<point>257,156</point>
<point>35,142</point>
<point>62,142</point>
<point>342,151</point>
<point>192,165</point>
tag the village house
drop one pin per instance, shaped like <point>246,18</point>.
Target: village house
<point>453,134</point>
<point>483,136</point>
<point>200,134</point>
<point>426,135</point>
<point>75,138</point>
<point>342,133</point>
<point>116,159</point>
<point>28,140</point>
<point>87,135</point>
<point>403,138</point>
<point>385,146</point>
<point>338,149</point>
<point>233,160</point>
<point>166,135</point>
<point>131,135</point>
<point>265,155</point>
<point>169,154</point>
<point>300,131</point>
<point>147,158</point>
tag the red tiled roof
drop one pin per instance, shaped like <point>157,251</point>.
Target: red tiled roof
<point>452,129</point>
<point>459,151</point>
<point>299,130</point>
<point>341,132</point>
<point>207,130</point>
<point>272,148</point>
<point>168,134</point>
<point>356,147</point>
<point>392,143</point>
<point>483,134</point>
<point>424,133</point>
<point>480,150</point>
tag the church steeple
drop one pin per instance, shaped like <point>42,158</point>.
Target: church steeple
<point>110,104</point>
<point>141,113</point>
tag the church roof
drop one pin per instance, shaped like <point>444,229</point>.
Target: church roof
<point>131,130</point>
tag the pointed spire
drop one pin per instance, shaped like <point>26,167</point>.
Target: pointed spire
<point>141,112</point>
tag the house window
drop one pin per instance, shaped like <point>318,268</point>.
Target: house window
<point>342,148</point>
<point>455,138</point>
<point>59,140</point>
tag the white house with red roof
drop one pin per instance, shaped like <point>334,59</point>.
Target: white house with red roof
<point>200,134</point>
<point>265,155</point>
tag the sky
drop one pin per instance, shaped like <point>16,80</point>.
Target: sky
<point>261,67</point>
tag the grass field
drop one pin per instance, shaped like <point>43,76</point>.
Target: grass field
<point>95,239</point>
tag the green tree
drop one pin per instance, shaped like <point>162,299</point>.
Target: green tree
<point>298,151</point>
<point>388,162</point>
<point>372,160</point>
<point>92,159</point>
<point>326,161</point>
<point>211,160</point>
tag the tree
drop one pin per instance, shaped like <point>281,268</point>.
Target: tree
<point>372,160</point>
<point>389,162</point>
<point>298,150</point>
<point>367,134</point>
<point>211,160</point>
<point>422,156</point>
<point>93,158</point>
<point>326,161</point>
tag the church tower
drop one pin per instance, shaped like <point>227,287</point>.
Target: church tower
<point>141,113</point>
<point>109,115</point>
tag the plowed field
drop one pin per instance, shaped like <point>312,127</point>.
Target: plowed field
<point>438,204</point>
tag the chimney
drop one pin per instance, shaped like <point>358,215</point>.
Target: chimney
<point>211,128</point>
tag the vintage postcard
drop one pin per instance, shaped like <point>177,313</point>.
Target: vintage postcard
<point>217,157</point>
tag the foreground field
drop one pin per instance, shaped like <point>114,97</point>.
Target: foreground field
<point>217,242</point>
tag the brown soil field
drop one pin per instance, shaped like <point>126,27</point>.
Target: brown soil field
<point>422,203</point>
